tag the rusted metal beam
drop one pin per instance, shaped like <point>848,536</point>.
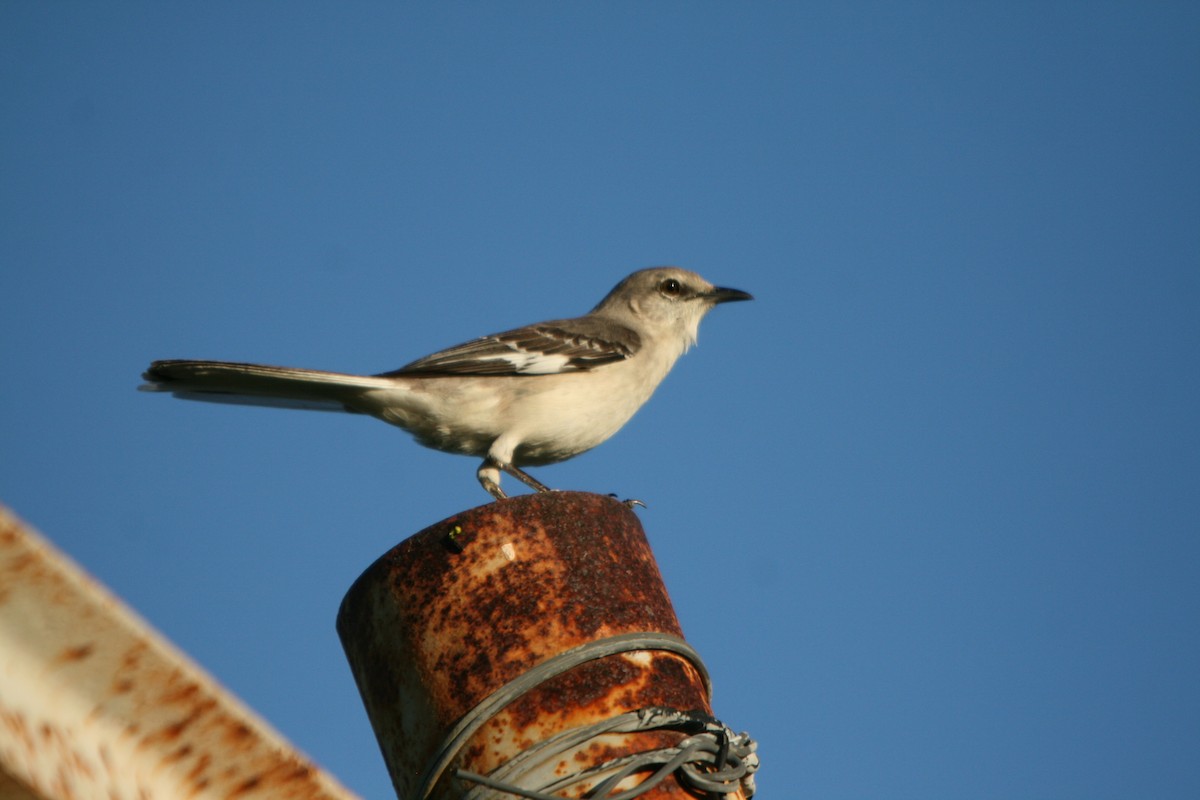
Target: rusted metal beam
<point>456,613</point>
<point>95,704</point>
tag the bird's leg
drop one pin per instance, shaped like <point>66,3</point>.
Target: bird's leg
<point>489,476</point>
<point>524,477</point>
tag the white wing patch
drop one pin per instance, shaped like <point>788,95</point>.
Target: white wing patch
<point>530,362</point>
<point>549,348</point>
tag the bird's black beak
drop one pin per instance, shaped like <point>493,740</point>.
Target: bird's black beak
<point>722,295</point>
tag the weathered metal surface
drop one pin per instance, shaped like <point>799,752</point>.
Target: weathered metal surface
<point>467,605</point>
<point>96,704</point>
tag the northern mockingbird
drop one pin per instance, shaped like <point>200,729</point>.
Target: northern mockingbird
<point>529,396</point>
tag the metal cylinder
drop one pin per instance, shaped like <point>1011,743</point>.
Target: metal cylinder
<point>471,604</point>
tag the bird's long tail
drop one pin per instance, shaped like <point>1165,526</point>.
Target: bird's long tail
<point>259,384</point>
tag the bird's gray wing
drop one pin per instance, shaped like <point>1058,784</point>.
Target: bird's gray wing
<point>548,348</point>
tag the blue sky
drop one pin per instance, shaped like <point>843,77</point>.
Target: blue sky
<point>929,506</point>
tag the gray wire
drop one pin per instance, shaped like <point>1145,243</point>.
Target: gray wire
<point>713,760</point>
<point>550,668</point>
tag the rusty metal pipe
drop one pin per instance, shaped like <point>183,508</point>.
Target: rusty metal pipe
<point>467,606</point>
<point>94,703</point>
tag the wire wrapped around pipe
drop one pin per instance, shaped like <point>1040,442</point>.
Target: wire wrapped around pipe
<point>641,720</point>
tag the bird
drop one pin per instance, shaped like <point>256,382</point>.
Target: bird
<point>530,396</point>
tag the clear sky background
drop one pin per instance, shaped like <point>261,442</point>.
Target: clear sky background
<point>929,507</point>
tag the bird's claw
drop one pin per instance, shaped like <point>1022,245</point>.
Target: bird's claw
<point>630,503</point>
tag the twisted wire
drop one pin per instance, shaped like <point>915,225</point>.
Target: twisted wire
<point>712,759</point>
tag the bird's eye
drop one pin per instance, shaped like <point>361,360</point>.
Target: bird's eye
<point>671,287</point>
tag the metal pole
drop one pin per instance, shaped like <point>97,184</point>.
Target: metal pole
<point>444,632</point>
<point>94,703</point>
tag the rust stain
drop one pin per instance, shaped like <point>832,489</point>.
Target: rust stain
<point>248,785</point>
<point>179,753</point>
<point>133,655</point>
<point>237,732</point>
<point>147,724</point>
<point>181,692</point>
<point>430,629</point>
<point>196,775</point>
<point>78,652</point>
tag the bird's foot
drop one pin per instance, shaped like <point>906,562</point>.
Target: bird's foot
<point>631,503</point>
<point>489,478</point>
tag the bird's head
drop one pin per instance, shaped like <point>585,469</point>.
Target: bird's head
<point>666,301</point>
